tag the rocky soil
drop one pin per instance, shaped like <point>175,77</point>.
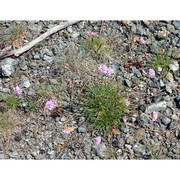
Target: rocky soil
<point>63,67</point>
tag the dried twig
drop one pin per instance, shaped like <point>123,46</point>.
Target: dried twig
<point>29,45</point>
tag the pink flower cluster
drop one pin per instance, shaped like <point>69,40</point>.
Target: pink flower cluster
<point>90,33</point>
<point>51,104</point>
<point>17,90</point>
<point>66,131</point>
<point>152,72</point>
<point>142,40</point>
<point>105,70</point>
<point>155,116</point>
<point>98,140</point>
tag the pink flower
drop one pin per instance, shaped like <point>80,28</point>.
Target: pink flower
<point>66,131</point>
<point>51,104</point>
<point>17,90</point>
<point>109,71</point>
<point>98,140</point>
<point>159,69</point>
<point>90,33</point>
<point>105,70</point>
<point>142,40</point>
<point>151,72</point>
<point>155,116</point>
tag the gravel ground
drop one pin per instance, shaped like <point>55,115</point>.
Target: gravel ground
<point>37,135</point>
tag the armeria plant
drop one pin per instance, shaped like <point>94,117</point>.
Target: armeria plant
<point>96,45</point>
<point>104,105</point>
<point>162,62</point>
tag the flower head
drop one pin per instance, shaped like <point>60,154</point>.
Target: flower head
<point>98,140</point>
<point>17,90</point>
<point>142,40</point>
<point>91,33</point>
<point>151,72</point>
<point>105,70</point>
<point>159,69</point>
<point>51,104</point>
<point>66,131</point>
<point>155,116</point>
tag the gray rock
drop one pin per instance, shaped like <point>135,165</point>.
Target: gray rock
<point>173,125</point>
<point>36,56</point>
<point>128,82</point>
<point>136,71</point>
<point>161,83</point>
<point>129,147</point>
<point>156,107</point>
<point>140,30</point>
<point>81,129</point>
<point>69,29</point>
<point>174,66</point>
<point>127,75</point>
<point>75,35</point>
<point>115,67</point>
<point>145,118</point>
<point>169,88</point>
<point>175,117</point>
<point>63,119</point>
<point>58,140</point>
<point>166,120</point>
<point>176,24</point>
<point>23,65</point>
<point>154,48</point>
<point>133,28</point>
<point>102,151</point>
<point>176,54</point>
<point>81,120</point>
<point>162,35</point>
<point>147,23</point>
<point>26,84</point>
<point>2,155</point>
<point>171,28</point>
<point>14,154</point>
<point>29,157</point>
<point>52,154</point>
<point>8,67</point>
<point>139,148</point>
<point>47,58</point>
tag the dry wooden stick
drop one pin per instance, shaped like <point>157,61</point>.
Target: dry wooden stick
<point>29,45</point>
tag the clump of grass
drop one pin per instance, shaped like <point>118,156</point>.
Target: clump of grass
<point>12,101</point>
<point>4,123</point>
<point>32,105</point>
<point>162,60</point>
<point>105,106</point>
<point>14,35</point>
<point>97,46</point>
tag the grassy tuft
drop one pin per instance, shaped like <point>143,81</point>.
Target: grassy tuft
<point>162,60</point>
<point>97,46</point>
<point>14,35</point>
<point>12,101</point>
<point>105,106</point>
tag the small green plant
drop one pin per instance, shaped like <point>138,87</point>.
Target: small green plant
<point>14,35</point>
<point>105,106</point>
<point>7,121</point>
<point>97,46</point>
<point>32,105</point>
<point>12,101</point>
<point>4,124</point>
<point>162,60</point>
<point>157,151</point>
